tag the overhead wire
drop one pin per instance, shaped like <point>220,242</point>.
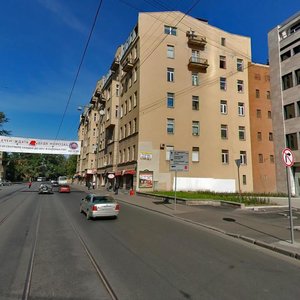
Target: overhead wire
<point>79,68</point>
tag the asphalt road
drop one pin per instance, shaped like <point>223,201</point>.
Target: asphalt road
<point>142,254</point>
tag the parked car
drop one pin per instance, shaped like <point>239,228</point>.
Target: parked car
<point>45,189</point>
<point>99,206</point>
<point>54,183</point>
<point>64,188</point>
<point>5,183</point>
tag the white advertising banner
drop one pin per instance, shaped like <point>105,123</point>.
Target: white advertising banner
<point>31,145</point>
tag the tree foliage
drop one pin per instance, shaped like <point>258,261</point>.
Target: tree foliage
<point>3,120</point>
<point>25,166</point>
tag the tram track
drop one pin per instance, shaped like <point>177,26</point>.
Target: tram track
<point>104,280</point>
<point>32,254</point>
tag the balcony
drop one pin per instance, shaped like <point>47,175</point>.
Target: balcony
<point>127,64</point>
<point>200,64</point>
<point>195,40</point>
<point>115,65</point>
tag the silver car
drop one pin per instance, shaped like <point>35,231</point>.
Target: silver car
<point>99,206</point>
<point>45,189</point>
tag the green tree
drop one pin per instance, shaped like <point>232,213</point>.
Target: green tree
<point>3,120</point>
<point>71,164</point>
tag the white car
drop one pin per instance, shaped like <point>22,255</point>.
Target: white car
<point>99,206</point>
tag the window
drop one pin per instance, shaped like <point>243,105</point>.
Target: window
<point>244,179</point>
<point>291,141</point>
<point>170,30</point>
<point>258,113</point>
<point>130,104</point>
<point>170,126</point>
<point>259,136</point>
<point>239,65</point>
<point>129,128</point>
<point>134,99</point>
<point>260,158</point>
<point>224,131</point>
<point>272,159</point>
<point>195,128</point>
<point>117,111</point>
<point>285,55</point>
<point>296,50</point>
<point>240,86</point>
<point>170,100</point>
<point>223,83</point>
<point>242,133</point>
<point>195,79</point>
<point>168,151</point>
<point>241,109</point>
<point>257,76</point>
<point>117,90</point>
<point>243,157</point>
<point>195,154</point>
<point>257,93</point>
<point>223,41</point>
<point>195,103</point>
<point>195,56</point>
<point>133,153</point>
<point>287,81</point>
<point>269,114</point>
<point>135,74</point>
<point>108,114</point>
<point>125,108</point>
<point>134,126</point>
<point>121,111</point>
<point>289,111</point>
<point>223,107</point>
<point>170,51</point>
<point>297,76</point>
<point>125,131</point>
<point>268,95</point>
<point>170,74</point>
<point>222,62</point>
<point>225,156</point>
<point>270,136</point>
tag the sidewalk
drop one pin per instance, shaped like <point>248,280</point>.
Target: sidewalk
<point>268,228</point>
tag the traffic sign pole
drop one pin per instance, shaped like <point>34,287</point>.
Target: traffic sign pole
<point>290,203</point>
<point>288,159</point>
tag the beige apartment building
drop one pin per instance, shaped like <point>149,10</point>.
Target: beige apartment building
<point>262,146</point>
<point>284,55</point>
<point>175,84</point>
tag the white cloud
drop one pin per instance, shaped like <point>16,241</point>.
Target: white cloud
<point>64,14</point>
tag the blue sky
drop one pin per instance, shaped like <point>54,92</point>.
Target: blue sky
<point>42,42</point>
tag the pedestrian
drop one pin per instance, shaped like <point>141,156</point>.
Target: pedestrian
<point>88,185</point>
<point>29,184</point>
<point>94,184</point>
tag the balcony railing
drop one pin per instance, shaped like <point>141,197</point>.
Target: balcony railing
<point>115,64</point>
<point>127,64</point>
<point>195,40</point>
<point>198,63</point>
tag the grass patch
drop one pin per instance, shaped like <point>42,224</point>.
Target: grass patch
<point>246,198</point>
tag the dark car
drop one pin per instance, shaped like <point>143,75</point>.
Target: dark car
<point>45,189</point>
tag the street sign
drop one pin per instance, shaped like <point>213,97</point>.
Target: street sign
<point>179,161</point>
<point>288,157</point>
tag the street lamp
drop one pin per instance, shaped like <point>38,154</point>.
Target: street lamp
<point>238,164</point>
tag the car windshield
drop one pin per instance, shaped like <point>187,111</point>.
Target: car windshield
<point>103,199</point>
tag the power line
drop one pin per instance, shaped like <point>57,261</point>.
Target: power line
<point>79,67</point>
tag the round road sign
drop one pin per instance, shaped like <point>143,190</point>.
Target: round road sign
<point>288,157</point>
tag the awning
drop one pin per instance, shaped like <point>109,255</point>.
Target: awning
<point>129,172</point>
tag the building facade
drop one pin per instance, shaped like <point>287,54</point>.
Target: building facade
<point>261,128</point>
<point>176,86</point>
<point>284,55</point>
